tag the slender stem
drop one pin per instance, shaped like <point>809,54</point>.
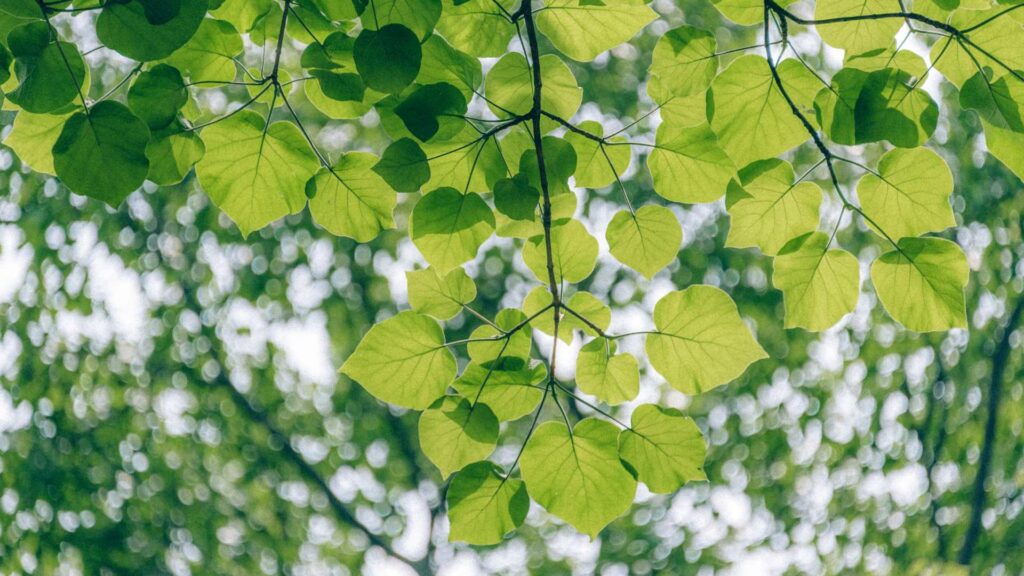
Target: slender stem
<point>280,40</point>
<point>67,64</point>
<point>774,7</point>
<point>535,115</point>
<point>121,83</point>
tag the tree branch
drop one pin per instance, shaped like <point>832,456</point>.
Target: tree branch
<point>1000,360</point>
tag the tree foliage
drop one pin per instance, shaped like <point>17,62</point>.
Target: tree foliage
<point>480,156</point>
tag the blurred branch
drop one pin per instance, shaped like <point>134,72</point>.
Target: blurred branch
<point>259,416</point>
<point>1000,358</point>
<point>937,396</point>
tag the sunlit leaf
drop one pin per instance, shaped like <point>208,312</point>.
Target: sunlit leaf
<point>255,173</point>
<point>449,227</point>
<point>577,475</point>
<point>351,199</point>
<point>909,194</point>
<point>455,432</point>
<point>612,378</point>
<point>584,29</point>
<point>403,361</point>
<point>767,208</point>
<point>700,342</point>
<point>573,249</point>
<point>664,447</point>
<point>921,284</point>
<point>647,240</point>
<point>439,296</point>
<point>820,284</point>
<point>484,506</point>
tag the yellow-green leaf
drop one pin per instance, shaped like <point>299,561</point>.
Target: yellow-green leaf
<point>922,284</point>
<point>647,240</point>
<point>664,447</point>
<point>701,342</point>
<point>454,433</point>
<point>403,361</point>
<point>819,285</point>
<point>577,475</point>
<point>909,195</point>
<point>768,209</point>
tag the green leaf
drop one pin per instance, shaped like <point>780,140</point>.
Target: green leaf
<point>573,250</point>
<point>242,14</point>
<point>20,10</point>
<point>352,200</point>
<point>439,296</point>
<point>433,108</point>
<point>403,361</point>
<point>684,63</point>
<point>745,12</point>
<point>420,16</point>
<point>255,173</point>
<point>6,59</point>
<point>512,390</point>
<point>687,164</point>
<point>208,55</point>
<point>149,29</point>
<point>465,162</point>
<point>597,165</point>
<point>1006,145</point>
<point>922,284</point>
<point>909,196</point>
<point>101,153</point>
<point>340,86</point>
<point>516,198</point>
<point>577,475</point>
<point>449,227</point>
<point>172,153</point>
<point>454,433</point>
<point>891,106</point>
<point>332,53</point>
<point>477,26</point>
<point>404,166</point>
<point>701,342</point>
<point>857,36</point>
<point>820,286</point>
<point>157,95</point>
<point>590,307</point>
<point>559,163</point>
<point>752,119</point>
<point>646,241</point>
<point>999,102</point>
<point>46,81</point>
<point>515,346</point>
<point>584,29</point>
<point>388,59</point>
<point>768,209</point>
<point>442,63</point>
<point>32,138</point>
<point>994,44</point>
<point>612,378</point>
<point>484,506</point>
<point>509,87</point>
<point>664,447</point>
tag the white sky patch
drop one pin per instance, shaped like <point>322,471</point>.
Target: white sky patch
<point>15,259</point>
<point>307,347</point>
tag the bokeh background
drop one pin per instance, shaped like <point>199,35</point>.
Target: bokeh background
<point>169,402</point>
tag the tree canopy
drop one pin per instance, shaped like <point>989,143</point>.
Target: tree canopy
<point>543,184</point>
